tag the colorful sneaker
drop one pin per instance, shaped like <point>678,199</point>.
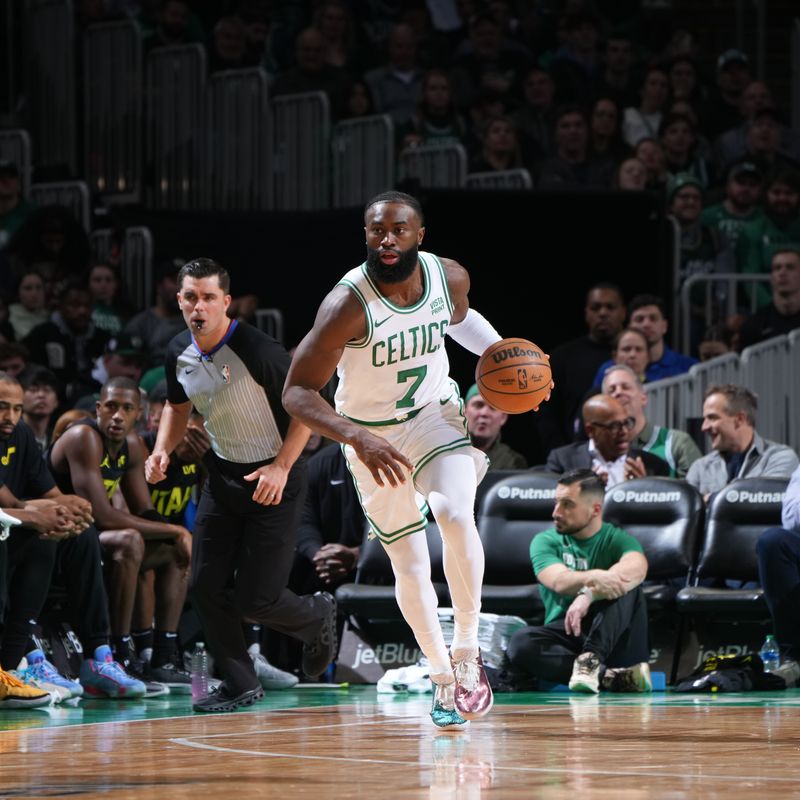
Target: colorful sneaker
<point>137,669</point>
<point>628,679</point>
<point>40,669</point>
<point>15,694</point>
<point>473,694</point>
<point>271,677</point>
<point>220,699</point>
<point>443,711</point>
<point>585,674</point>
<point>319,653</point>
<point>101,676</point>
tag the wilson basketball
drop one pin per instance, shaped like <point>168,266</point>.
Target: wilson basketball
<point>513,375</point>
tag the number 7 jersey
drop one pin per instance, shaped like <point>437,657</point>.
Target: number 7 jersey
<point>401,364</point>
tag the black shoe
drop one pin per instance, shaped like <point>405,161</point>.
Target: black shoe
<point>172,675</point>
<point>319,653</point>
<point>220,699</point>
<point>137,668</point>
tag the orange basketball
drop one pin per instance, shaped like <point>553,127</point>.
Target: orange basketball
<point>513,375</point>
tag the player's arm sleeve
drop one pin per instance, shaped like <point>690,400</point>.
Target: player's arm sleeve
<point>474,332</point>
<point>543,553</point>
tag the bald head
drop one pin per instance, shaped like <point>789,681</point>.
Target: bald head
<point>608,425</point>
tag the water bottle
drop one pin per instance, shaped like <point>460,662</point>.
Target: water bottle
<point>770,654</point>
<point>199,672</point>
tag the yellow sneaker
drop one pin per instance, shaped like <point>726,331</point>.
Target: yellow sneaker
<point>15,694</point>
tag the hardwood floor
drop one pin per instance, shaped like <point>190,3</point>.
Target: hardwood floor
<point>325,744</point>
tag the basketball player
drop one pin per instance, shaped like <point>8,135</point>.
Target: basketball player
<point>399,417</point>
<point>243,542</point>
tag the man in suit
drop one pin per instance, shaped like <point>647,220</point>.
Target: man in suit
<point>608,452</point>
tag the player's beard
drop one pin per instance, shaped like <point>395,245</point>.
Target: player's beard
<point>394,273</point>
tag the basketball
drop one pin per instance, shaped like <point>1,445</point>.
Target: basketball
<point>513,375</point>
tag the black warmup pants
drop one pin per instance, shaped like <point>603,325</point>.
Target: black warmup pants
<point>615,630</point>
<point>242,554</point>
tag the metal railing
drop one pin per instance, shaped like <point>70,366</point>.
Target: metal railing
<point>15,145</point>
<point>73,195</point>
<point>722,369</point>
<point>270,320</point>
<point>668,401</point>
<point>363,159</point>
<point>765,370</point>
<point>501,179</point>
<point>434,166</point>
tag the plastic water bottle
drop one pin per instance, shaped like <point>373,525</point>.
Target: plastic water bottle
<point>770,654</point>
<point>199,672</point>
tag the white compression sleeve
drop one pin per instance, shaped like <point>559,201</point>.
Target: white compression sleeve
<point>474,332</point>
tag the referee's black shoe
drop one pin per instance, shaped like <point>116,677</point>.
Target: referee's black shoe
<point>220,699</point>
<point>322,650</point>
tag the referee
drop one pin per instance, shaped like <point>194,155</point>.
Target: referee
<point>243,542</point>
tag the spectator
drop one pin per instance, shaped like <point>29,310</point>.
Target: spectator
<point>359,101</point>
<point>616,80</point>
<point>39,403</point>
<point>258,32</point>
<point>312,74</point>
<point>630,349</point>
<point>589,574</point>
<point>731,145</point>
<point>228,48</point>
<point>779,225</point>
<point>67,420</point>
<point>721,111</point>
<point>683,81</point>
<point>643,121</point>
<point>740,204</point>
<point>30,309</point>
<point>575,363</point>
<point>650,152</point>
<point>631,176</point>
<point>535,118</point>
<point>575,65</point>
<point>397,86</point>
<point>173,26</point>
<point>679,143</point>
<point>69,343</point>
<point>110,310</point>
<point>675,447</point>
<point>334,20</point>
<point>573,166</point>
<point>608,451</point>
<point>763,141</point>
<point>14,358</point>
<point>499,147</point>
<point>484,424</point>
<point>14,208</point>
<point>782,315</point>
<point>436,119</point>
<point>716,341</point>
<point>738,451</point>
<point>157,324</point>
<point>605,136</point>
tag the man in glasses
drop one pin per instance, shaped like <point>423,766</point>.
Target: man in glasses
<point>608,453</point>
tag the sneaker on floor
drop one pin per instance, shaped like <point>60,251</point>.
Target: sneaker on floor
<point>220,699</point>
<point>443,711</point>
<point>585,674</point>
<point>15,694</point>
<point>473,694</point>
<point>172,675</point>
<point>271,677</point>
<point>101,676</point>
<point>40,669</point>
<point>628,679</point>
<point>138,669</point>
<point>318,654</point>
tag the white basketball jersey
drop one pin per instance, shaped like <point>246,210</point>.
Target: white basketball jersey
<point>400,365</point>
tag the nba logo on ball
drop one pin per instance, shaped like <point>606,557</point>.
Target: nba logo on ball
<point>513,375</point>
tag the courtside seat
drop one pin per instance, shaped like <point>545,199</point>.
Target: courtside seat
<point>666,518</point>
<point>737,515</point>
<point>513,511</point>
<point>372,594</point>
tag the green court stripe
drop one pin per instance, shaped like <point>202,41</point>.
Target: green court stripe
<point>362,343</point>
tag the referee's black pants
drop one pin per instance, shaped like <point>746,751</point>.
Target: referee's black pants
<point>614,630</point>
<point>242,554</point>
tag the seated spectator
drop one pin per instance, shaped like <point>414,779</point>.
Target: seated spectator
<point>110,309</point>
<point>484,424</point>
<point>679,141</point>
<point>30,308</point>
<point>737,449</point>
<point>573,166</point>
<point>258,36</point>
<point>228,48</point>
<point>92,459</point>
<point>731,145</point>
<point>535,118</point>
<point>589,574</point>
<point>702,146</point>
<point>778,551</point>
<point>782,315</point>
<point>675,447</point>
<point>173,26</point>
<point>608,452</point>
<point>605,135</point>
<point>14,358</point>
<point>14,208</point>
<point>764,140</point>
<point>123,357</point>
<point>779,225</point>
<point>499,147</point>
<point>575,66</point>
<point>617,79</point>
<point>684,83</point>
<point>716,341</point>
<point>436,120</point>
<point>631,176</point>
<point>334,20</point>
<point>40,401</point>
<point>651,154</point>
<point>630,349</point>
<point>643,121</point>
<point>359,101</point>
<point>69,343</point>
<point>721,110</point>
<point>741,202</point>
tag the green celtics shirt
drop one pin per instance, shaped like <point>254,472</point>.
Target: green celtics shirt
<point>721,219</point>
<point>602,551</point>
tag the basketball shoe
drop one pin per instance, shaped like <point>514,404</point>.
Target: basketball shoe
<point>15,694</point>
<point>319,653</point>
<point>585,674</point>
<point>443,711</point>
<point>473,694</point>
<point>628,679</point>
<point>40,669</point>
<point>271,677</point>
<point>101,676</point>
<point>220,699</point>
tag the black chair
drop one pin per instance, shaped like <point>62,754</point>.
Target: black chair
<point>372,594</point>
<point>666,517</point>
<point>513,511</point>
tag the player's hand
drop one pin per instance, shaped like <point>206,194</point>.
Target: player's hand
<point>53,522</point>
<point>552,386</point>
<point>80,508</point>
<point>334,560</point>
<point>155,468</point>
<point>381,459</point>
<point>601,473</point>
<point>575,614</point>
<point>608,585</point>
<point>634,468</point>
<point>271,483</point>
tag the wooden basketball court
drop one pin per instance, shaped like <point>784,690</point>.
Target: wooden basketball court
<point>319,743</point>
